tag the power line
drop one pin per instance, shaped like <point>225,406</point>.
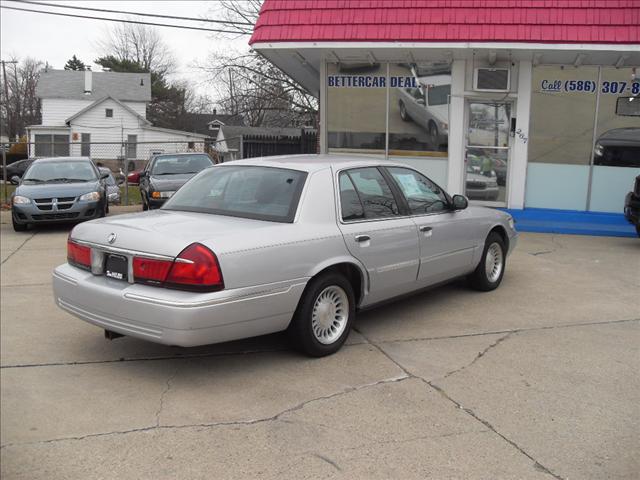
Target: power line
<point>119,20</point>
<point>46,4</point>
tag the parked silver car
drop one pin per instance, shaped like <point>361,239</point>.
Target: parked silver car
<point>295,243</point>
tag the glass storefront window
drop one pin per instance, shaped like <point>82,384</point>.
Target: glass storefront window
<point>356,105</point>
<point>419,117</point>
<point>563,106</point>
<point>616,155</point>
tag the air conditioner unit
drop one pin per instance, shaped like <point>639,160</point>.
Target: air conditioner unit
<point>491,79</point>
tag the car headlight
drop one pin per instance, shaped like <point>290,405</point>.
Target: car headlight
<point>512,223</point>
<point>19,200</point>
<point>162,194</point>
<point>598,150</point>
<point>91,197</point>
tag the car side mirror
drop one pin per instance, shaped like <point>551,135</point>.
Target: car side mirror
<point>104,176</point>
<point>420,101</point>
<point>15,180</point>
<point>459,202</point>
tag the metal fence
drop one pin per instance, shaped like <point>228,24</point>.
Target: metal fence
<point>125,157</point>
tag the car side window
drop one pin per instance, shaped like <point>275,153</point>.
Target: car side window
<point>423,196</point>
<point>349,201</point>
<point>374,193</point>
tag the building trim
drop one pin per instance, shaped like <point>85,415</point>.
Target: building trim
<point>321,44</point>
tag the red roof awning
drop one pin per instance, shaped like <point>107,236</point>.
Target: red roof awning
<point>533,21</point>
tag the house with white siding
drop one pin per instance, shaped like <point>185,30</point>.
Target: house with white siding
<point>101,115</point>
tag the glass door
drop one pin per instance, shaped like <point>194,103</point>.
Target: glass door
<point>487,151</point>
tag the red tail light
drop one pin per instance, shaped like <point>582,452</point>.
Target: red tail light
<point>146,270</point>
<point>196,268</point>
<point>78,255</point>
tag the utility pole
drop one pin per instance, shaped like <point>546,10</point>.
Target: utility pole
<point>6,106</point>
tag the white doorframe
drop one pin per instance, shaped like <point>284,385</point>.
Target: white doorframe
<point>467,118</point>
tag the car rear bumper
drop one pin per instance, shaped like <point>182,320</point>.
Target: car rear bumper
<point>174,317</point>
<point>24,214</point>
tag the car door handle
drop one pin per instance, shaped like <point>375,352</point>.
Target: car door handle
<point>362,238</point>
<point>424,228</point>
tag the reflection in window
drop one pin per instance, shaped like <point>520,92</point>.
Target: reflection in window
<point>419,113</point>
<point>349,200</point>
<point>374,193</point>
<point>423,196</point>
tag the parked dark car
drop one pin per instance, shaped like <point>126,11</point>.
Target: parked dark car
<point>632,205</point>
<point>619,147</point>
<point>17,169</point>
<point>59,189</point>
<point>166,173</point>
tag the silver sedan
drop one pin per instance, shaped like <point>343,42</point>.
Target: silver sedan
<point>295,243</point>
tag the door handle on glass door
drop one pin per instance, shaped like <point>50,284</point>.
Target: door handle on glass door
<point>362,238</point>
<point>424,228</point>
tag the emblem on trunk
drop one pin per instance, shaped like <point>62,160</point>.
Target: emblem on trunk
<point>111,238</point>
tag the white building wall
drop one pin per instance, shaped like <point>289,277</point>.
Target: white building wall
<point>112,130</point>
<point>455,172</point>
<point>139,107</point>
<point>56,110</point>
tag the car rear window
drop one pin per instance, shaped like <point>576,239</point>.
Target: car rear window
<point>180,164</point>
<point>261,193</point>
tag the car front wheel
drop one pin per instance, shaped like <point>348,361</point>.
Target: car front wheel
<point>323,318</point>
<point>18,227</point>
<point>488,275</point>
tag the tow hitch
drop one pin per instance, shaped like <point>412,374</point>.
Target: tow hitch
<point>109,335</point>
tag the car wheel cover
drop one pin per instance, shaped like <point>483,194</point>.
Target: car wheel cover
<point>330,314</point>
<point>494,262</point>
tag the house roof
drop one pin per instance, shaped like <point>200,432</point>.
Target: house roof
<point>103,99</point>
<point>539,21</point>
<point>198,122</point>
<point>234,131</point>
<point>177,132</point>
<point>69,84</point>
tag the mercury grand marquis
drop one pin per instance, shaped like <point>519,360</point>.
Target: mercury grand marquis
<point>296,243</point>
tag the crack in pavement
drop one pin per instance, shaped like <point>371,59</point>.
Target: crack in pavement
<point>536,464</point>
<point>513,330</point>
<point>277,350</point>
<point>327,460</point>
<point>478,356</point>
<point>163,394</point>
<point>272,418</point>
<point>18,249</point>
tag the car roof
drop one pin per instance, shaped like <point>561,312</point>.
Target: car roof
<point>313,163</point>
<point>63,159</point>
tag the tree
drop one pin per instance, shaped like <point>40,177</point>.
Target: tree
<point>248,84</point>
<point>21,108</point>
<point>75,64</point>
<point>140,49</point>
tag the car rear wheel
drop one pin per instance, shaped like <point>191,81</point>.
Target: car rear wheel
<point>18,227</point>
<point>323,318</point>
<point>403,111</point>
<point>488,275</point>
<point>433,134</point>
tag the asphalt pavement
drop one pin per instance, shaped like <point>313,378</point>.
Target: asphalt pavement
<point>538,379</point>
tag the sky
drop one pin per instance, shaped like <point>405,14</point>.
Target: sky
<point>55,39</point>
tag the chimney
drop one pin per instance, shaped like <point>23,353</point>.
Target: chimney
<point>87,82</point>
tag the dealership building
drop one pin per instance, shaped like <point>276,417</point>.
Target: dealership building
<point>532,105</point>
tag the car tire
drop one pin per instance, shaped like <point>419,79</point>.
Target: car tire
<point>327,298</point>
<point>19,227</point>
<point>489,272</point>
<point>433,134</point>
<point>403,112</point>
<point>638,230</point>
<point>107,209</point>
